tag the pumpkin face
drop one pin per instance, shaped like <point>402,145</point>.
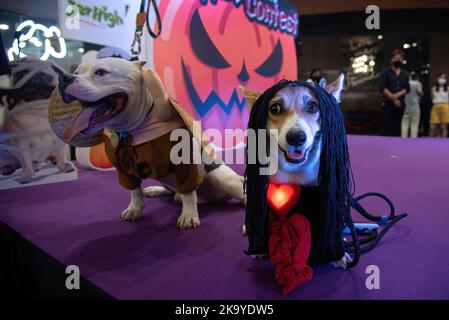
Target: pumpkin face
<point>205,52</point>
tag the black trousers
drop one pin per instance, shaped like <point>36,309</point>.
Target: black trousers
<point>392,117</point>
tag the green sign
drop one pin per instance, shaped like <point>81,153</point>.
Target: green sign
<point>98,13</point>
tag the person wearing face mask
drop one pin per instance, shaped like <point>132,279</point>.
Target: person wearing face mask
<point>439,115</point>
<point>316,78</point>
<point>410,119</point>
<point>394,85</point>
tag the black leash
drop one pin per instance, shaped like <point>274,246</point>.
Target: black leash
<point>361,245</point>
<point>158,18</point>
<point>141,21</point>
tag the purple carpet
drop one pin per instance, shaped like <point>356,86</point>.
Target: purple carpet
<point>78,223</point>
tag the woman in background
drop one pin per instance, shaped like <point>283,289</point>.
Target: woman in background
<point>439,115</point>
<point>410,119</point>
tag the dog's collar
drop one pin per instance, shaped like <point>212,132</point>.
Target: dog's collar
<point>115,137</point>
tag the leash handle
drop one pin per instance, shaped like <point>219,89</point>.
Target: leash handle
<point>158,19</point>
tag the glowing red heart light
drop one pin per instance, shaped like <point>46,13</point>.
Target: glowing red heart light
<point>282,197</point>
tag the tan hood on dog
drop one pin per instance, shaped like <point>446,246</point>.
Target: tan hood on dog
<point>68,120</point>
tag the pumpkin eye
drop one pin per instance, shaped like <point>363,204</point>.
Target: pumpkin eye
<point>276,109</point>
<point>273,63</point>
<point>101,72</point>
<point>312,107</point>
<point>203,46</point>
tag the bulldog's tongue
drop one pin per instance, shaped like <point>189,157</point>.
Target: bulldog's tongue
<point>77,124</point>
<point>296,154</point>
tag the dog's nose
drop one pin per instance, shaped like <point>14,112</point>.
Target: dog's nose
<point>296,138</point>
<point>65,79</point>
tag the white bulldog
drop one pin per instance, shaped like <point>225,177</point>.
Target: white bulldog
<point>117,96</point>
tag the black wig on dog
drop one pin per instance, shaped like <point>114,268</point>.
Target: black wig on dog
<point>327,205</point>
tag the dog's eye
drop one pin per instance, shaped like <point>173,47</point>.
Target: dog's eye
<point>312,107</point>
<point>275,109</point>
<point>101,72</point>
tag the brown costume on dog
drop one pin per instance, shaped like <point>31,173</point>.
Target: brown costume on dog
<point>151,159</point>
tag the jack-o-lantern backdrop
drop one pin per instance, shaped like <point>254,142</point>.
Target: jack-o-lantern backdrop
<point>207,48</point>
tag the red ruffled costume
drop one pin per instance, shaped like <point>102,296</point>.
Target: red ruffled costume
<point>289,237</point>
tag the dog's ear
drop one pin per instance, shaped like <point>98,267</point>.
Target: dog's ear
<point>336,87</point>
<point>139,64</point>
<point>250,96</point>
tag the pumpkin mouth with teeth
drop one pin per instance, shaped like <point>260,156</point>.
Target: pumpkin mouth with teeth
<point>93,114</point>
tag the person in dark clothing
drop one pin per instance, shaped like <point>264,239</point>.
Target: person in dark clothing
<point>394,85</point>
<point>316,78</point>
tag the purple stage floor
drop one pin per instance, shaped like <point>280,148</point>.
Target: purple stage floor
<point>78,223</point>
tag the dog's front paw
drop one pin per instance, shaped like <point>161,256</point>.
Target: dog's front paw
<point>132,213</point>
<point>24,179</point>
<point>343,262</point>
<point>188,221</point>
<point>66,167</point>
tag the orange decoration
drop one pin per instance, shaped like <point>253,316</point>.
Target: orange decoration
<point>98,157</point>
